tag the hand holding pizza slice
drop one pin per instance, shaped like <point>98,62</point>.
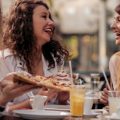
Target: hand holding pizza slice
<point>41,81</point>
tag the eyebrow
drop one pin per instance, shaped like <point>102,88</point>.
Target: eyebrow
<point>45,12</point>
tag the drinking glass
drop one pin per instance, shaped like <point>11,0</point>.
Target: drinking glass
<point>114,101</point>
<point>77,98</point>
<point>95,82</point>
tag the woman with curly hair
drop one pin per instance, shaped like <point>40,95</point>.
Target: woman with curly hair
<point>28,38</point>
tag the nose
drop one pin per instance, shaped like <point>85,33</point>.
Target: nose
<point>51,22</point>
<point>114,26</point>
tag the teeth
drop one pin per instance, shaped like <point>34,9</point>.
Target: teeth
<point>49,29</point>
<point>117,37</point>
<point>117,34</point>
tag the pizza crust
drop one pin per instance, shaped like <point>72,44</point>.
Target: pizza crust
<point>26,79</point>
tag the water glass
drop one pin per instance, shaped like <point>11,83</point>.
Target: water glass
<point>114,101</point>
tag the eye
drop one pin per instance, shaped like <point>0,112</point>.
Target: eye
<point>50,17</point>
<point>44,16</point>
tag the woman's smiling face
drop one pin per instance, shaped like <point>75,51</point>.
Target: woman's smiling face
<point>43,25</point>
<point>116,28</point>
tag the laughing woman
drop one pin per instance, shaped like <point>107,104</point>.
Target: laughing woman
<point>114,64</point>
<point>28,38</point>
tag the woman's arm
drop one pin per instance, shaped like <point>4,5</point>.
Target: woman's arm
<point>10,89</point>
<point>114,67</point>
<point>22,105</point>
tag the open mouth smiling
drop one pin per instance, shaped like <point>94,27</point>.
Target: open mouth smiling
<point>49,30</point>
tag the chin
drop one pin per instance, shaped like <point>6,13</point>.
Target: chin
<point>46,41</point>
<point>117,42</point>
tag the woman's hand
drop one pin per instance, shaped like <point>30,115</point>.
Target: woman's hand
<point>21,105</point>
<point>104,96</point>
<point>50,93</point>
<point>10,89</point>
<point>63,97</point>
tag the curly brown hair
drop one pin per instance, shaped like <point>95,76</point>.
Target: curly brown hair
<point>19,38</point>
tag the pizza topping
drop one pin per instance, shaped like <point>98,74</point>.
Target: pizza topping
<point>49,82</point>
<point>65,83</point>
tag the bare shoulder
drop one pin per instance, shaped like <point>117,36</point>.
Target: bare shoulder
<point>117,53</point>
<point>115,58</point>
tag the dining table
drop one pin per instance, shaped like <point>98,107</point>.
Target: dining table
<point>100,114</point>
<point>6,116</point>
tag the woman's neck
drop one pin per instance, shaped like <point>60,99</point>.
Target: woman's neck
<point>38,68</point>
<point>37,63</point>
<point>37,55</point>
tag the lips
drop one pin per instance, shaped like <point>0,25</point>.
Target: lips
<point>117,38</point>
<point>49,30</point>
<point>117,35</point>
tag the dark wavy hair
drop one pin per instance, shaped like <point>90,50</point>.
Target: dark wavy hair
<point>117,9</point>
<point>19,37</point>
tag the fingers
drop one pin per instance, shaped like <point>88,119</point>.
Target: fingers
<point>104,96</point>
<point>43,91</point>
<point>51,93</point>
<point>7,80</point>
<point>12,90</point>
<point>7,87</point>
<point>21,89</point>
<point>105,92</point>
<point>51,96</point>
<point>104,101</point>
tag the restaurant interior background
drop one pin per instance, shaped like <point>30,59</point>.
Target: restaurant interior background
<point>84,27</point>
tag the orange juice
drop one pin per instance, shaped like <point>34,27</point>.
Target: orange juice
<point>77,98</point>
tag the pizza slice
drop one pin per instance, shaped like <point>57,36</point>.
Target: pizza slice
<point>48,82</point>
<point>53,83</point>
<point>21,77</point>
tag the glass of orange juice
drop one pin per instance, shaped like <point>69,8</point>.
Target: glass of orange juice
<point>77,98</point>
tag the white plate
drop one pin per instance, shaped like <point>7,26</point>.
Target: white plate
<point>41,114</point>
<point>93,113</point>
<point>112,117</point>
<point>58,107</point>
<point>115,118</point>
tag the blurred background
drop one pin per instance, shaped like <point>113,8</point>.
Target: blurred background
<point>84,27</point>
